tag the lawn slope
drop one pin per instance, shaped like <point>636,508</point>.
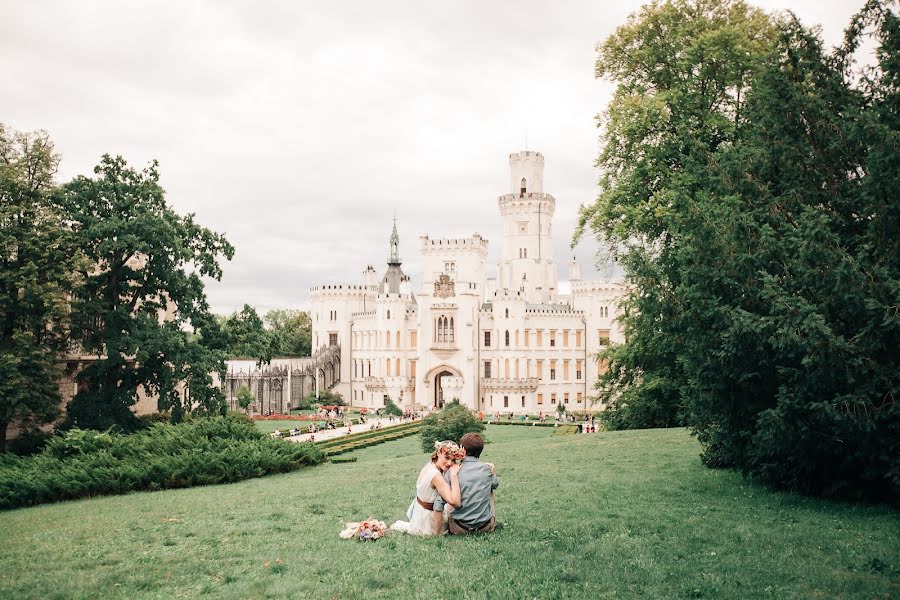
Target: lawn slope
<point>611,515</point>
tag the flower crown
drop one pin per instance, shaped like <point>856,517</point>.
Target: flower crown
<point>451,449</point>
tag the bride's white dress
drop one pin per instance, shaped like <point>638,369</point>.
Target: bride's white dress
<point>421,520</point>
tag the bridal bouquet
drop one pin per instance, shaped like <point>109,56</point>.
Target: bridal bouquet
<point>368,530</point>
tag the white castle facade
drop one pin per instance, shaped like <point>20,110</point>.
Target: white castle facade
<point>513,344</point>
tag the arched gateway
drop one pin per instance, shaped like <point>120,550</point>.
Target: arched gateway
<point>439,388</point>
<point>437,379</point>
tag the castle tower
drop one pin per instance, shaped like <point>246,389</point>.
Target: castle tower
<point>574,270</point>
<point>527,216</point>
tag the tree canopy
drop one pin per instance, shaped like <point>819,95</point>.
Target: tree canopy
<point>142,292</point>
<point>748,187</point>
<point>37,262</point>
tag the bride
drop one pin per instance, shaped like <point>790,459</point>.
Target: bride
<point>423,520</point>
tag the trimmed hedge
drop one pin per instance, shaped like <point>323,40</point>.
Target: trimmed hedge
<point>566,430</point>
<point>373,433</point>
<point>524,424</point>
<point>203,451</point>
<point>369,438</point>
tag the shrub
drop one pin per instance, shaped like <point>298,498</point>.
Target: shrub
<point>392,409</point>
<point>203,451</point>
<point>30,441</point>
<point>449,424</point>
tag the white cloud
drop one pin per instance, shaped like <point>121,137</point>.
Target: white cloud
<point>299,128</point>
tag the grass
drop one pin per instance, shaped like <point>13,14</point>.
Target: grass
<point>610,515</point>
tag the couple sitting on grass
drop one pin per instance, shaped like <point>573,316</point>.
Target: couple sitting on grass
<point>454,492</point>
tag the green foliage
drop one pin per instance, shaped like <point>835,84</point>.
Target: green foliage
<point>326,398</point>
<point>291,332</point>
<point>38,259</point>
<point>247,337</point>
<point>30,441</point>
<point>449,424</point>
<point>244,397</point>
<point>749,190</point>
<point>392,409</point>
<point>143,261</point>
<point>200,452</point>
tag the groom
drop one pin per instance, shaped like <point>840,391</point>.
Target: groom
<point>477,484</point>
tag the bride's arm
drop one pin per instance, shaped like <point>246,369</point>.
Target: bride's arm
<point>450,493</point>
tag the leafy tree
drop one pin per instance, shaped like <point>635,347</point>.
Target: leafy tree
<point>244,397</point>
<point>751,201</point>
<point>451,423</point>
<point>291,331</point>
<point>37,261</point>
<point>143,291</point>
<point>392,409</point>
<point>682,69</point>
<point>247,336</point>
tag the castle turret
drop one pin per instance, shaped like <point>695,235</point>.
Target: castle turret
<point>574,270</point>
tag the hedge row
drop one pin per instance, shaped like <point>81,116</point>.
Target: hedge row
<point>204,451</point>
<point>566,430</point>
<point>525,423</point>
<point>340,441</point>
<point>386,436</point>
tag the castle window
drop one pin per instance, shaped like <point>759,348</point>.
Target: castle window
<point>523,187</point>
<point>506,338</point>
<point>487,369</point>
<point>507,316</point>
<point>389,314</point>
<point>332,339</point>
<point>451,328</point>
<point>505,401</point>
<point>523,401</point>
<point>487,339</point>
<point>552,374</point>
<point>552,338</point>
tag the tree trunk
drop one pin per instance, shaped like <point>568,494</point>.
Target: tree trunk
<point>3,427</point>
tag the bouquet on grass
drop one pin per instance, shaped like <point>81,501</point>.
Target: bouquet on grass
<point>368,530</point>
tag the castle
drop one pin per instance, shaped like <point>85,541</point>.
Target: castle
<point>510,344</point>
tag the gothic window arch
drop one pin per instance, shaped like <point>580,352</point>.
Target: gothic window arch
<point>506,338</point>
<point>388,367</point>
<point>507,313</point>
<point>389,314</point>
<point>523,187</point>
<point>397,367</point>
<point>451,329</point>
<point>387,339</point>
<point>397,340</point>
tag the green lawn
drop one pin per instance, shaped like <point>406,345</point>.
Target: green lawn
<point>610,515</point>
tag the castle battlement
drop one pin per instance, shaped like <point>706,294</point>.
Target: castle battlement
<point>342,288</point>
<point>588,288</point>
<point>476,242</point>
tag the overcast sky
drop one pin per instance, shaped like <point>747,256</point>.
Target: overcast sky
<point>299,128</point>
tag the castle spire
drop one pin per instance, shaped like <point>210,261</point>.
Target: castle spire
<point>395,246</point>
